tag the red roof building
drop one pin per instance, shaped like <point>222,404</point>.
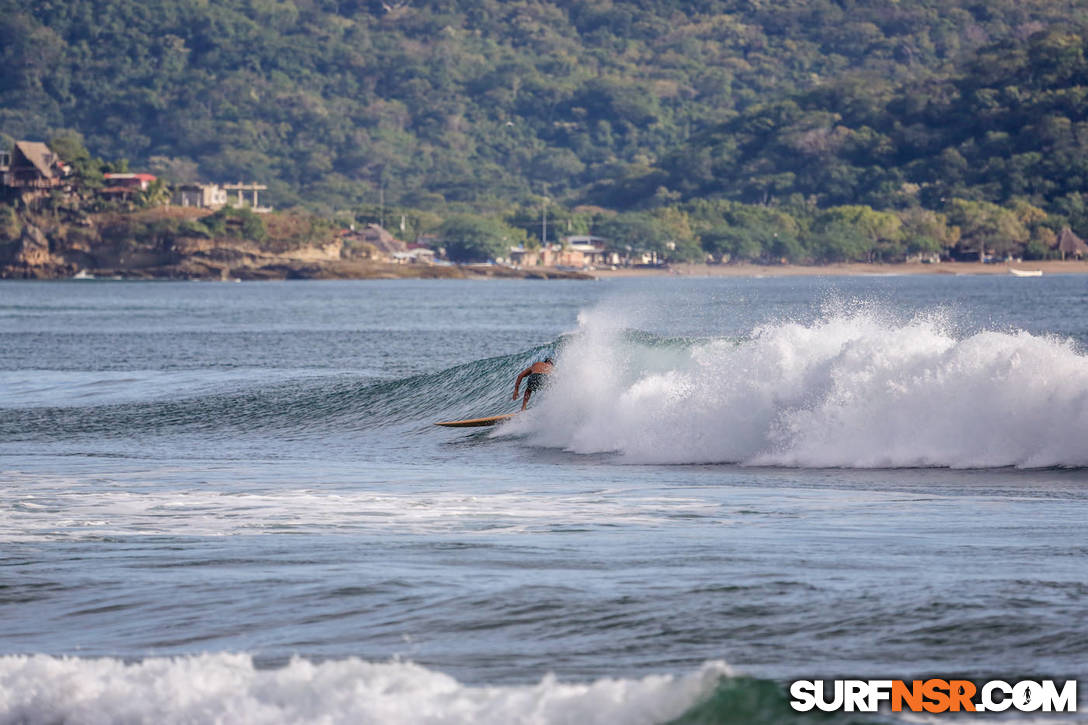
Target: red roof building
<point>122,186</point>
<point>128,182</point>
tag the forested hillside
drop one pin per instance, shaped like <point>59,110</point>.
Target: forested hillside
<point>1012,124</point>
<point>676,110</point>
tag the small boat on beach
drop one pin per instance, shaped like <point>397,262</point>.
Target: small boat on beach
<point>1026,272</point>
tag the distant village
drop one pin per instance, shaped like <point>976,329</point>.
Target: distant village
<point>31,171</point>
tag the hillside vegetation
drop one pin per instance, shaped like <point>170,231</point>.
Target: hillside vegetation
<point>807,130</point>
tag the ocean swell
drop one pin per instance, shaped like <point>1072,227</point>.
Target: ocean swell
<point>855,389</point>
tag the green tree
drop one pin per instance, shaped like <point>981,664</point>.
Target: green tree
<point>9,223</point>
<point>927,232</point>
<point>680,244</point>
<point>157,193</point>
<point>744,232</point>
<point>986,227</point>
<point>636,106</point>
<point>733,243</point>
<point>473,238</point>
<point>86,170</point>
<point>840,241</point>
<point>1042,245</point>
<point>857,232</point>
<point>636,233</point>
<point>240,223</point>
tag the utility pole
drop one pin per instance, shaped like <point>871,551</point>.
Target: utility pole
<point>544,223</point>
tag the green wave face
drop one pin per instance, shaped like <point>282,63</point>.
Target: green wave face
<point>307,406</point>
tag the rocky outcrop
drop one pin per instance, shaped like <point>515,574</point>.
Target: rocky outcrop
<point>30,257</point>
<point>57,248</point>
<point>33,248</point>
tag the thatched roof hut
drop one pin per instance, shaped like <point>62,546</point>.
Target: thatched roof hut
<point>1070,244</point>
<point>34,165</point>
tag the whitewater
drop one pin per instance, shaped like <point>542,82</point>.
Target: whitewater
<point>218,688</point>
<point>230,503</point>
<point>855,389</point>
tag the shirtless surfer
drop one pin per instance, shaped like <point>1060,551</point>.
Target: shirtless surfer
<point>536,373</point>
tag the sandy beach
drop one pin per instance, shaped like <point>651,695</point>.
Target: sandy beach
<point>852,269</point>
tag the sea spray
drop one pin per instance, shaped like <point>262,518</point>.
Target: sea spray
<point>855,389</point>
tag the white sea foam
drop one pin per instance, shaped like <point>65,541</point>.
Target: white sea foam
<point>228,688</point>
<point>43,508</point>
<point>854,389</point>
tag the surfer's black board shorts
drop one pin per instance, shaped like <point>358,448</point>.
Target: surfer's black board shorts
<point>535,382</point>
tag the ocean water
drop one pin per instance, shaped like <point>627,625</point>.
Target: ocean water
<point>229,503</point>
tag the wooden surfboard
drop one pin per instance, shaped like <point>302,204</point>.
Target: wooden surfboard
<point>475,422</point>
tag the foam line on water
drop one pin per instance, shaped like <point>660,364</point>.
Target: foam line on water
<point>44,510</point>
<point>854,389</point>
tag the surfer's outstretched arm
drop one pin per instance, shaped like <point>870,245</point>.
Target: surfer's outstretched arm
<point>521,377</point>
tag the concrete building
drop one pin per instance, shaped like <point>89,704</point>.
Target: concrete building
<point>576,251</point>
<point>201,196</point>
<point>253,204</point>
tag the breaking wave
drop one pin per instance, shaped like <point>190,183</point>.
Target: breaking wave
<point>229,688</point>
<point>315,405</point>
<point>854,389</point>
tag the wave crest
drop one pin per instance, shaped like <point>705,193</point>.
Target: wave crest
<point>852,390</point>
<point>229,688</point>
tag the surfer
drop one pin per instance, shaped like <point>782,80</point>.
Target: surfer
<point>536,373</point>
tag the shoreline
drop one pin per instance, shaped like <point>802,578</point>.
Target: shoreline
<point>198,269</point>
<point>851,269</point>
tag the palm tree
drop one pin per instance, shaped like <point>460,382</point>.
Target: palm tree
<point>157,193</point>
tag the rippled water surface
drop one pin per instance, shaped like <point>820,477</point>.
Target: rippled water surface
<point>728,484</point>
